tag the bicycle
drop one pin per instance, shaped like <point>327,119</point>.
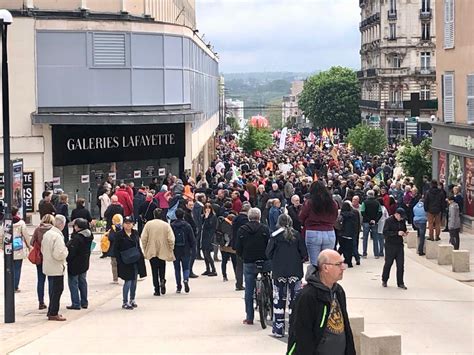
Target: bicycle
<point>264,294</point>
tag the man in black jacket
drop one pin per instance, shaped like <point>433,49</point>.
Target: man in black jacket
<point>371,213</point>
<point>319,323</point>
<point>252,240</point>
<point>294,210</point>
<point>394,230</point>
<point>238,222</point>
<point>188,217</point>
<point>435,204</point>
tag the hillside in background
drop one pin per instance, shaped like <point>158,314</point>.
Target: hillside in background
<point>261,92</point>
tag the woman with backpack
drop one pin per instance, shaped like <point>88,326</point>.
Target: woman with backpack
<point>21,245</point>
<point>208,231</point>
<point>184,242</point>
<point>130,261</point>
<point>287,251</point>
<point>46,223</point>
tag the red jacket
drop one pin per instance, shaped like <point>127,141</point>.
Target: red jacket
<point>126,201</point>
<point>236,205</point>
<point>321,221</point>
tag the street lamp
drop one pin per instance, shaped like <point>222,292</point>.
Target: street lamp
<point>5,20</point>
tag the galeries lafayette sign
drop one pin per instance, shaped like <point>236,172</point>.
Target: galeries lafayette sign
<point>74,145</point>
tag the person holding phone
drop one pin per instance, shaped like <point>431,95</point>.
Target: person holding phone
<point>393,231</point>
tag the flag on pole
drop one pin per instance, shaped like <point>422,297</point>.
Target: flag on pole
<point>378,178</point>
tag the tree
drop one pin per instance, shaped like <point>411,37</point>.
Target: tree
<point>233,123</point>
<point>366,139</point>
<point>415,160</point>
<point>331,98</point>
<point>256,139</point>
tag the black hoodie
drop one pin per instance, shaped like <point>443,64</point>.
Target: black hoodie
<point>309,318</point>
<point>435,201</point>
<point>79,248</point>
<point>252,240</point>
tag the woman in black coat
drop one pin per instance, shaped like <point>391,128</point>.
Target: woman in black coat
<point>287,251</point>
<point>208,231</point>
<point>125,240</point>
<point>81,211</point>
<point>348,232</point>
<point>63,209</point>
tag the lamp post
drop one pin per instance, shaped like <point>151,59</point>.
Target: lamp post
<point>5,20</point>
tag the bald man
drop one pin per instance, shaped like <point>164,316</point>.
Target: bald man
<point>114,208</point>
<point>319,323</point>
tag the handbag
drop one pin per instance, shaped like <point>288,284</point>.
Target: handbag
<point>35,256</point>
<point>17,243</point>
<point>131,255</point>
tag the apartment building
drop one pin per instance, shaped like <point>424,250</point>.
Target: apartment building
<point>290,110</point>
<point>398,75</point>
<point>453,131</point>
<point>117,88</point>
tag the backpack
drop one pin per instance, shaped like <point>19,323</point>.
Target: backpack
<point>171,214</point>
<point>179,236</point>
<point>338,223</point>
<point>222,236</point>
<point>105,243</point>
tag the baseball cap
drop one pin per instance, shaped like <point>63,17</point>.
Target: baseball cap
<point>401,212</point>
<point>128,219</point>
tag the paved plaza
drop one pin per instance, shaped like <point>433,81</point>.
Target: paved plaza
<point>434,316</point>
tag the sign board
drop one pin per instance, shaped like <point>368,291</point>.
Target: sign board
<point>79,144</point>
<point>150,171</point>
<point>161,172</point>
<point>28,190</point>
<point>17,185</point>
<point>84,179</point>
<point>56,181</point>
<point>137,174</point>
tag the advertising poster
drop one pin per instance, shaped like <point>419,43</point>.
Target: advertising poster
<point>442,166</point>
<point>455,170</point>
<point>28,190</point>
<point>469,186</point>
<point>17,185</point>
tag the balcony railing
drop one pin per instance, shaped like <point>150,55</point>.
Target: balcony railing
<point>393,71</point>
<point>370,20</point>
<point>425,71</point>
<point>369,104</point>
<point>392,14</point>
<point>425,14</point>
<point>360,74</point>
<point>371,73</point>
<point>393,105</point>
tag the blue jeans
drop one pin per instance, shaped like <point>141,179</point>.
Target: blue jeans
<point>181,261</point>
<point>40,283</point>
<point>355,245</point>
<point>421,232</point>
<point>317,241</point>
<point>130,286</point>
<point>373,229</point>
<point>17,272</point>
<point>250,275</point>
<point>78,289</point>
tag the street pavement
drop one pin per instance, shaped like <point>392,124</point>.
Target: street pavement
<point>434,316</point>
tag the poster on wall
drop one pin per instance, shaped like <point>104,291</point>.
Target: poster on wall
<point>137,174</point>
<point>17,185</point>
<point>442,166</point>
<point>28,190</point>
<point>455,170</point>
<point>469,186</point>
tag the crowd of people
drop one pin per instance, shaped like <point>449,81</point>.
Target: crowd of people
<point>307,202</point>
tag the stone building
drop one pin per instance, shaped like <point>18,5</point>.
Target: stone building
<point>124,88</point>
<point>398,76</point>
<point>289,106</point>
<point>453,131</point>
<point>235,108</point>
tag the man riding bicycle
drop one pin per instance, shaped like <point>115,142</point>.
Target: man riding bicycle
<point>252,240</point>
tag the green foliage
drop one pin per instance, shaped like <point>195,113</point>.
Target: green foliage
<point>368,140</point>
<point>331,98</point>
<point>233,123</point>
<point>274,113</point>
<point>415,160</point>
<point>256,139</point>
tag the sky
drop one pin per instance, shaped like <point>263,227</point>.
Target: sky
<point>281,35</point>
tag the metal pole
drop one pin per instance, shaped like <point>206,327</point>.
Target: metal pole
<point>8,241</point>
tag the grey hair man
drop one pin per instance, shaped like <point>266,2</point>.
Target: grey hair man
<point>240,220</point>
<point>54,259</point>
<point>252,240</point>
<point>322,305</point>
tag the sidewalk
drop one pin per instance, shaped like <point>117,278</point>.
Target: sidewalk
<point>434,316</point>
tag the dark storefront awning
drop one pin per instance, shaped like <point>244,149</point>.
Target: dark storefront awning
<point>115,116</point>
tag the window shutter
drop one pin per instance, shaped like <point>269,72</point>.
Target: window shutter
<point>448,98</point>
<point>109,49</point>
<point>448,24</point>
<point>470,98</point>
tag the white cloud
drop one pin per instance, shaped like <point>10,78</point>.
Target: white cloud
<point>293,35</point>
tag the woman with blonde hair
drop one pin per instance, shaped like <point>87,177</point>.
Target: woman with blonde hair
<point>46,223</point>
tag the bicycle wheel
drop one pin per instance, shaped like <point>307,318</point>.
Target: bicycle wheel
<point>269,300</point>
<point>262,304</point>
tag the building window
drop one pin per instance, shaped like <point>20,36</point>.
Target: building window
<point>425,92</point>
<point>392,31</point>
<point>396,96</point>
<point>470,98</point>
<point>448,24</point>
<point>425,60</point>
<point>393,6</point>
<point>448,97</point>
<point>425,31</point>
<point>425,6</point>
<point>396,61</point>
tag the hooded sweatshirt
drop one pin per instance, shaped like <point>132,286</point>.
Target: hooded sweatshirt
<point>252,240</point>
<point>320,313</point>
<point>39,233</point>
<point>79,248</point>
<point>434,201</point>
